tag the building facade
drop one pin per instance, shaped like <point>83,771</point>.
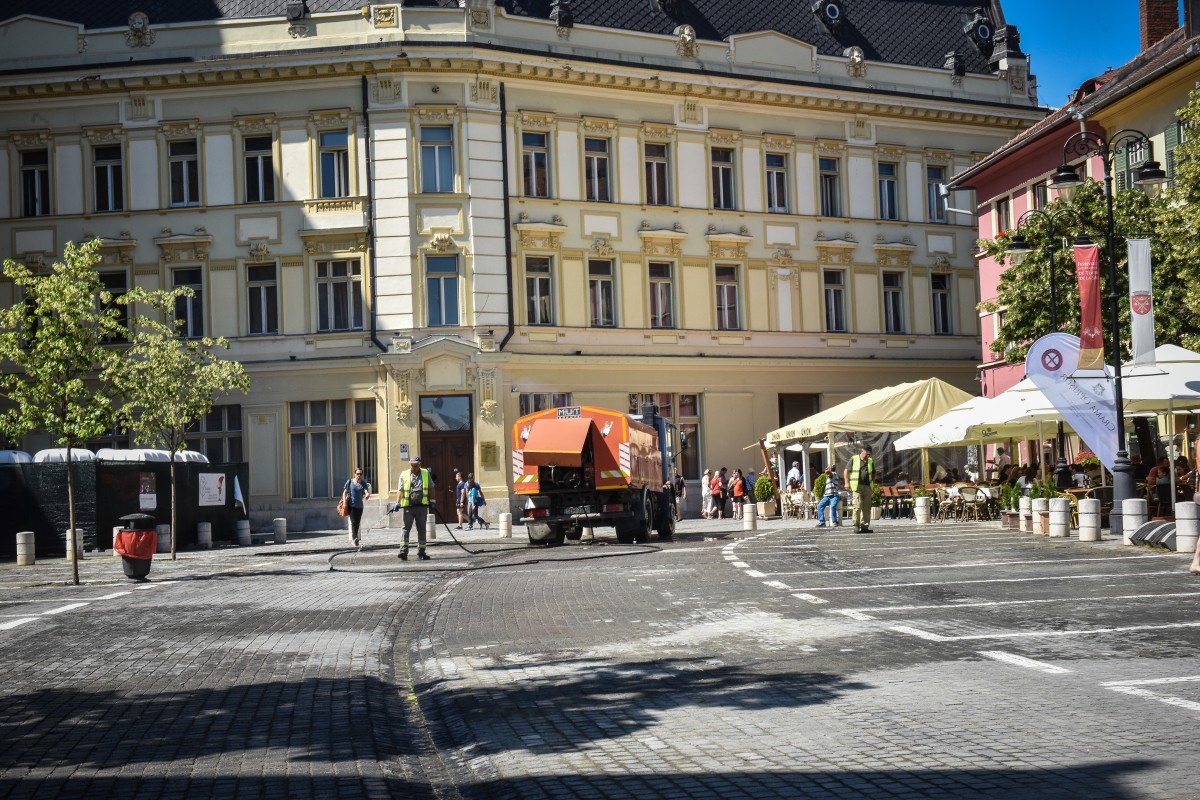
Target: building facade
<point>416,223</point>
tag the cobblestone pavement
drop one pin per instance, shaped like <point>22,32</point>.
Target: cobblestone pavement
<point>945,661</point>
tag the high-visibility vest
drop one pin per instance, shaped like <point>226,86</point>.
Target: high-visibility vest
<point>856,468</point>
<point>406,485</point>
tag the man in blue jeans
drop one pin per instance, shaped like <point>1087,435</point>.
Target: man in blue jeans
<point>830,498</point>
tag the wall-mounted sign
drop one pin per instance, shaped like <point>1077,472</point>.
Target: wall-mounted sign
<point>212,489</point>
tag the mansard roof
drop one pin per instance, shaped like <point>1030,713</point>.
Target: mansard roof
<point>912,32</point>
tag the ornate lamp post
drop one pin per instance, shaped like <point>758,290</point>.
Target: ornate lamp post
<point>1018,249</point>
<point>1149,175</point>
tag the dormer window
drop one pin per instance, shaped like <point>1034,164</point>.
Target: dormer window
<point>830,12</point>
<point>981,31</point>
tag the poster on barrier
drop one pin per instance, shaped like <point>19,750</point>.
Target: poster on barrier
<point>212,489</point>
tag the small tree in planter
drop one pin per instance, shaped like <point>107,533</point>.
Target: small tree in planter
<point>764,493</point>
<point>876,501</point>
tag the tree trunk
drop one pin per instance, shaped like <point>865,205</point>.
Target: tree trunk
<point>71,546</point>
<point>174,507</point>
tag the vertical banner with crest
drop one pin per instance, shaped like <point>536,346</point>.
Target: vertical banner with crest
<point>1085,399</point>
<point>1141,301</point>
<point>1091,329</point>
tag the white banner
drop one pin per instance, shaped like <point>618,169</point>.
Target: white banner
<point>1141,301</point>
<point>1087,400</point>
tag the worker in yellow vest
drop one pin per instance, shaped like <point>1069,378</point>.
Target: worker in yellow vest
<point>859,476</point>
<point>414,489</point>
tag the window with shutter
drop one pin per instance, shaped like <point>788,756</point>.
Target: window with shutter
<point>1171,140</point>
<point>1120,165</point>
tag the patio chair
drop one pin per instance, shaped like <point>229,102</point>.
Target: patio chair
<point>946,507</point>
<point>1074,507</point>
<point>974,503</point>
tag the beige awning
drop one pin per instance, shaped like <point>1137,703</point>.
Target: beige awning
<point>901,408</point>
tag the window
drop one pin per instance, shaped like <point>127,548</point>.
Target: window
<point>339,295</point>
<point>184,168</point>
<point>335,163</point>
<point>595,168</point>
<point>540,301</point>
<point>1003,215</point>
<point>189,311</point>
<point>117,284</point>
<point>722,178</point>
<point>218,434</point>
<point>532,402</point>
<point>35,183</point>
<point>888,208</point>
<point>1039,195</point>
<point>777,183</point>
<point>935,178</point>
<point>262,298</point>
<point>893,302</point>
<point>109,172</point>
<point>831,194</point>
<point>662,295</point>
<point>437,159</point>
<point>366,444</point>
<point>940,287</point>
<point>535,165</point>
<point>1128,159</point>
<point>835,300</point>
<point>657,175</point>
<point>601,296</point>
<point>441,289</point>
<point>684,411</point>
<point>260,169</point>
<point>319,447</point>
<point>727,298</point>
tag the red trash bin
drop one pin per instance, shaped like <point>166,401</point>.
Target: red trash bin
<point>135,543</point>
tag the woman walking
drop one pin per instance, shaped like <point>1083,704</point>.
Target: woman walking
<point>356,492</point>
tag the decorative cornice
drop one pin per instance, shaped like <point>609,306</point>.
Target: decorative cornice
<point>829,149</point>
<point>662,243</point>
<point>537,120</point>
<point>540,235</point>
<point>728,245</point>
<point>183,247</point>
<point>601,247</point>
<point>889,152</point>
<point>724,138</point>
<point>23,140</point>
<point>778,141</point>
<point>260,123</point>
<point>116,251</point>
<point>139,33</point>
<point>331,118</point>
<point>598,126</point>
<point>894,254</point>
<point>437,113</point>
<point>180,129</point>
<point>657,133</point>
<point>337,240</point>
<point>385,16</point>
<point>939,158</point>
<point>110,135</point>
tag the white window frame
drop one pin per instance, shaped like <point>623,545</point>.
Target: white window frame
<point>724,184</point>
<point>262,299</point>
<point>833,295</point>
<point>108,172</point>
<point>726,289</point>
<point>597,170</point>
<point>777,183</point>
<point>333,163</point>
<point>535,160</point>
<point>258,169</point>
<point>657,168</point>
<point>189,310</point>
<point>940,302</point>
<point>539,290</point>
<point>602,293</point>
<point>339,276</point>
<point>318,431</point>
<point>183,173</point>
<point>830,186</point>
<point>935,203</point>
<point>222,425</point>
<point>889,189</point>
<point>437,159</point>
<point>893,302</point>
<point>441,291</point>
<point>35,184</point>
<point>661,287</point>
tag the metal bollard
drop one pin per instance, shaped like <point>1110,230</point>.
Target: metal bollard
<point>504,528</point>
<point>25,549</point>
<point>1025,509</point>
<point>204,535</point>
<point>1134,514</point>
<point>1060,517</point>
<point>164,538</point>
<point>243,532</point>
<point>1089,520</point>
<point>280,524</point>
<point>749,521</point>
<point>1187,526</point>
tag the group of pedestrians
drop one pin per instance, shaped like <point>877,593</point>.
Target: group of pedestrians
<point>723,490</point>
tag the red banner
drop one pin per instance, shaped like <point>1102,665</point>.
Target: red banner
<point>1091,330</point>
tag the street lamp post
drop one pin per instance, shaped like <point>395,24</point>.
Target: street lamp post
<point>1083,144</point>
<point>1018,249</point>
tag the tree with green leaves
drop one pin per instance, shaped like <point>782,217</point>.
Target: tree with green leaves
<point>169,382</point>
<point>62,370</point>
<point>1170,221</point>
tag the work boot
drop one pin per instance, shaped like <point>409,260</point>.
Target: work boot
<point>421,554</point>
<point>403,554</point>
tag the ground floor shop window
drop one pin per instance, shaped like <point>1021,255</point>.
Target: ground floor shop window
<point>323,441</point>
<point>684,411</point>
<point>540,401</point>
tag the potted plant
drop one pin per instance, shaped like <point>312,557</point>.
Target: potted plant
<point>921,504</point>
<point>819,485</point>
<point>876,501</point>
<point>1040,493</point>
<point>764,493</point>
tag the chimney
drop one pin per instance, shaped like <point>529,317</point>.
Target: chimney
<point>1159,19</point>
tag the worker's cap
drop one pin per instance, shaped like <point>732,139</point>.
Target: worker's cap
<point>795,463</point>
<point>415,460</point>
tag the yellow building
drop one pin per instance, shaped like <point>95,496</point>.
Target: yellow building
<point>415,224</point>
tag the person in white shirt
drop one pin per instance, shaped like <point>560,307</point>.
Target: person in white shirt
<point>794,474</point>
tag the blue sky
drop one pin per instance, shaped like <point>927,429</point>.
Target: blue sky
<point>1100,34</point>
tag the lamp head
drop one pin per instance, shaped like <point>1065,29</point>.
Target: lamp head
<point>1018,249</point>
<point>1066,180</point>
<point>1150,177</point>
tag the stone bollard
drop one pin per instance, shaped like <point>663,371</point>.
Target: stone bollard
<point>749,521</point>
<point>204,535</point>
<point>587,535</point>
<point>164,538</point>
<point>1060,517</point>
<point>1024,508</point>
<point>1036,506</point>
<point>504,526</point>
<point>280,524</point>
<point>74,544</point>
<point>243,532</point>
<point>921,510</point>
<point>1134,514</point>
<point>1089,520</point>
<point>1187,526</point>
<point>25,549</point>
<point>431,526</point>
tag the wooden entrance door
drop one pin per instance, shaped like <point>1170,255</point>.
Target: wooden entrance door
<point>447,444</point>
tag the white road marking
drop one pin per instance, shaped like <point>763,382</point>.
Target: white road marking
<point>8,626</point>
<point>1179,702</point>
<point>810,598</point>
<point>64,609</point>
<point>1150,681</point>
<point>858,615</point>
<point>113,596</point>
<point>990,580</point>
<point>991,603</point>
<point>753,573</point>
<point>741,565</point>
<point>778,585</point>
<point>1021,661</point>
<point>937,637</point>
<point>970,565</point>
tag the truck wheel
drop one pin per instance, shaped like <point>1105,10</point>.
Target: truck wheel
<point>558,535</point>
<point>645,519</point>
<point>666,522</point>
<point>574,532</point>
<point>627,531</point>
